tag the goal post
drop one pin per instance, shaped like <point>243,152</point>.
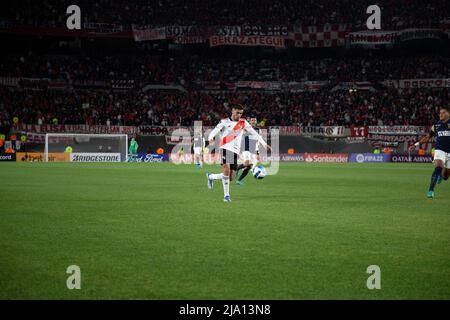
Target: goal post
<point>86,147</point>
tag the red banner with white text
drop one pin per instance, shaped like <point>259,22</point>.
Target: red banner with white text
<point>263,41</point>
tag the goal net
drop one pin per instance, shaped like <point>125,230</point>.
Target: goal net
<point>86,147</point>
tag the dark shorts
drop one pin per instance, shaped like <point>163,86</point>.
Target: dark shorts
<point>230,158</point>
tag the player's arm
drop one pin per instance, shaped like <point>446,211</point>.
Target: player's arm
<point>253,132</point>
<point>214,132</point>
<point>423,139</point>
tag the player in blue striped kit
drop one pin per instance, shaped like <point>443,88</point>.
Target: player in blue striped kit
<point>440,130</point>
<point>250,153</point>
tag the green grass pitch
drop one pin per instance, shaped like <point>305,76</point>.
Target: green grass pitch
<point>154,231</point>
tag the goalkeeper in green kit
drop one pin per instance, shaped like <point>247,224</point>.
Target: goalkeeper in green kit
<point>133,150</point>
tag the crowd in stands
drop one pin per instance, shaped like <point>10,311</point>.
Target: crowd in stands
<point>322,107</point>
<point>395,13</point>
<point>191,69</point>
<point>135,107</point>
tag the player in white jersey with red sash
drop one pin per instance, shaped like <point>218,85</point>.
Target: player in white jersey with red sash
<point>232,129</point>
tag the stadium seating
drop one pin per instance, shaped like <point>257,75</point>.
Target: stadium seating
<point>391,107</point>
<point>396,14</point>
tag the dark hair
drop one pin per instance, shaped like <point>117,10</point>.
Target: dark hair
<point>238,106</point>
<point>446,109</point>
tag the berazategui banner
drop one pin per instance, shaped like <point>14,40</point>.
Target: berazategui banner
<point>264,41</point>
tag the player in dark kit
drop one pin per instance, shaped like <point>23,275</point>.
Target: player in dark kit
<point>440,130</point>
<point>250,153</point>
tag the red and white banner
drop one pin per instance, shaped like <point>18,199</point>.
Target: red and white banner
<point>188,39</point>
<point>95,27</point>
<point>148,34</point>
<point>266,41</point>
<point>176,31</point>
<point>418,83</point>
<point>266,30</point>
<point>397,130</point>
<point>358,85</point>
<point>392,138</point>
<point>289,130</point>
<point>319,36</point>
<point>258,84</point>
<point>75,128</point>
<point>326,157</point>
<point>224,31</point>
<point>415,34</point>
<point>35,137</point>
<point>153,131</point>
<point>9,81</point>
<point>359,132</point>
<point>324,131</point>
<point>373,37</point>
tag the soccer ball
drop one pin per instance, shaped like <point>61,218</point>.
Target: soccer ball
<point>259,172</point>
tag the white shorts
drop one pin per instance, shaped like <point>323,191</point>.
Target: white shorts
<point>444,156</point>
<point>248,156</point>
<point>197,150</point>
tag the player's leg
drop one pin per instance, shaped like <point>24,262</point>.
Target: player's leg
<point>439,160</point>
<point>229,171</point>
<point>251,163</point>
<point>197,157</point>
<point>200,158</point>
<point>218,176</point>
<point>241,166</point>
<point>233,168</point>
<point>213,176</point>
<point>247,167</point>
<point>445,173</point>
<point>226,182</point>
<point>446,170</point>
<point>131,151</point>
<point>229,161</point>
<point>244,159</point>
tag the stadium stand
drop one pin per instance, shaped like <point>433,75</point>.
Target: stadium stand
<point>89,84</point>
